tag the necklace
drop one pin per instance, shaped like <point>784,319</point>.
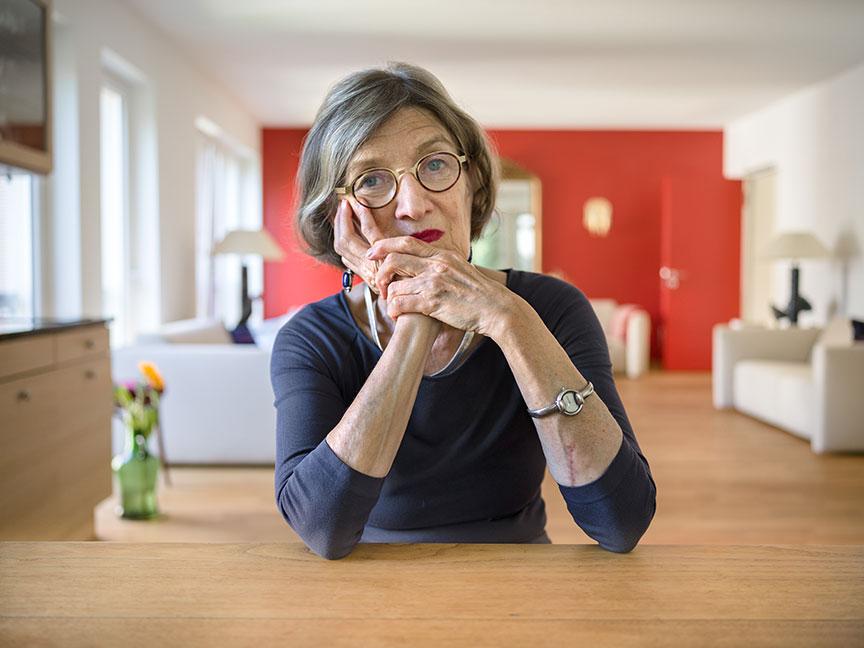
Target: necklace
<point>373,325</point>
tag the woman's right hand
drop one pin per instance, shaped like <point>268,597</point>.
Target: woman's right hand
<point>352,245</point>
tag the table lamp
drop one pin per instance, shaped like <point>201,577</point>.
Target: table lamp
<point>795,246</point>
<point>245,242</point>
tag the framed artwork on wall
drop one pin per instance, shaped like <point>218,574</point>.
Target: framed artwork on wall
<point>25,82</point>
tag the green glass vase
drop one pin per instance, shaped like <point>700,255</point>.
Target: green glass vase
<point>136,471</point>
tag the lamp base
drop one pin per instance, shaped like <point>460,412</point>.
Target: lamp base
<point>797,303</point>
<point>245,301</point>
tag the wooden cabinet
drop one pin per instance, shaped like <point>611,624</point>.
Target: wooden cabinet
<point>55,432</point>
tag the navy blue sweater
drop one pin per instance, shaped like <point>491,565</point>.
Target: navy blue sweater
<point>470,465</point>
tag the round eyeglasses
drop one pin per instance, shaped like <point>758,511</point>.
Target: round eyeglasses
<point>376,188</point>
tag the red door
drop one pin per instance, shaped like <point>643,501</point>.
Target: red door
<point>700,273</point>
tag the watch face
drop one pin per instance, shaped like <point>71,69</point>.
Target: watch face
<point>569,402</point>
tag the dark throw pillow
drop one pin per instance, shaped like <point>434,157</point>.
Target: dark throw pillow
<point>242,335</point>
<point>858,330</point>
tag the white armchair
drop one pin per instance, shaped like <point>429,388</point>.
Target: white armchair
<point>628,335</point>
<point>807,381</point>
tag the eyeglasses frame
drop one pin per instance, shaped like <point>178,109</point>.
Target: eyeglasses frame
<point>349,189</point>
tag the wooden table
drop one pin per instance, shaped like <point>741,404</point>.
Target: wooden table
<point>255,594</point>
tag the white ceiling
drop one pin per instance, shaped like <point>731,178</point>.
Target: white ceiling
<point>525,63</point>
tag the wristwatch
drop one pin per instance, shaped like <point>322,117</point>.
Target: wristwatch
<point>568,401</point>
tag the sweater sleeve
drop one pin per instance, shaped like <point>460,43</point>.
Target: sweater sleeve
<point>322,498</point>
<point>616,508</point>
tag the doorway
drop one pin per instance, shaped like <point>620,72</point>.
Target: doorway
<point>514,235</point>
<point>700,239</point>
<point>757,228</point>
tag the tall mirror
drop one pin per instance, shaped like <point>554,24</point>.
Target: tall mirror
<point>512,238</point>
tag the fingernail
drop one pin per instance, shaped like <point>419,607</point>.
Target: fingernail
<point>370,253</point>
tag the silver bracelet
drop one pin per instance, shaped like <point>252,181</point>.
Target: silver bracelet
<point>568,402</point>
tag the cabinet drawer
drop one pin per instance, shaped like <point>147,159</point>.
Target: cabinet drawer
<point>39,409</point>
<point>82,342</point>
<point>30,404</point>
<point>25,354</point>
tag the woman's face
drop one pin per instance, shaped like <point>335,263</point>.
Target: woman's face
<point>398,144</point>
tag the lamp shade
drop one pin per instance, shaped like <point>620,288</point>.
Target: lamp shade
<point>250,242</point>
<point>795,245</point>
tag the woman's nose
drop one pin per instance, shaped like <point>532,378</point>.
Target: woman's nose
<point>411,197</point>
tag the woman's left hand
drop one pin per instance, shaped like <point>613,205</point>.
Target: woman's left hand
<point>438,283</point>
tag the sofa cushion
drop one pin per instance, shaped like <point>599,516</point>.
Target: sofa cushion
<point>838,332</point>
<point>777,392</point>
<point>620,319</point>
<point>195,331</point>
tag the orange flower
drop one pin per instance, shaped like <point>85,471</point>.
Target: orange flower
<point>152,374</point>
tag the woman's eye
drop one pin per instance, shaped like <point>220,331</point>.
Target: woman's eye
<point>435,164</point>
<point>371,181</point>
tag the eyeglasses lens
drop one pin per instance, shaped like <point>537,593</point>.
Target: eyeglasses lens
<point>439,171</point>
<point>375,188</point>
<point>436,172</point>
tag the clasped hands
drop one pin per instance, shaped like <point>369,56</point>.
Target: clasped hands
<point>416,277</point>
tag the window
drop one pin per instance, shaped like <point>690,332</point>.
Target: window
<point>226,200</point>
<point>16,246</point>
<point>114,184</point>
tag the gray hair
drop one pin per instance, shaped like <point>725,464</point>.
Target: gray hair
<point>352,111</point>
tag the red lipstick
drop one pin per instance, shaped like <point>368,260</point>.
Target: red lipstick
<point>429,235</point>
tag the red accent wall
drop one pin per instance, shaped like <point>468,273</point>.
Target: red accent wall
<point>298,279</point>
<point>624,166</point>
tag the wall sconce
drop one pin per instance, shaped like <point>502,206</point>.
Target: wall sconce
<point>597,217</point>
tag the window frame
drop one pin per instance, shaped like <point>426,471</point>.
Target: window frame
<point>126,91</point>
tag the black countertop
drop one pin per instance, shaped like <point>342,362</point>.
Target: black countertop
<point>11,327</point>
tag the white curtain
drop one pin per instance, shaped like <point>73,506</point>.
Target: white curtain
<point>224,181</point>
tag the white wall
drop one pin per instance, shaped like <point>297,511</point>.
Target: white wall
<point>90,36</point>
<point>815,140</point>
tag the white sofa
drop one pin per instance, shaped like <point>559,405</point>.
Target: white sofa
<point>810,382</point>
<point>218,401</point>
<point>631,352</point>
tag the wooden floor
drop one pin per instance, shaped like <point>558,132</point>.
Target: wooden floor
<point>722,478</point>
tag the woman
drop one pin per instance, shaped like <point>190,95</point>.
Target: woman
<point>424,404</point>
